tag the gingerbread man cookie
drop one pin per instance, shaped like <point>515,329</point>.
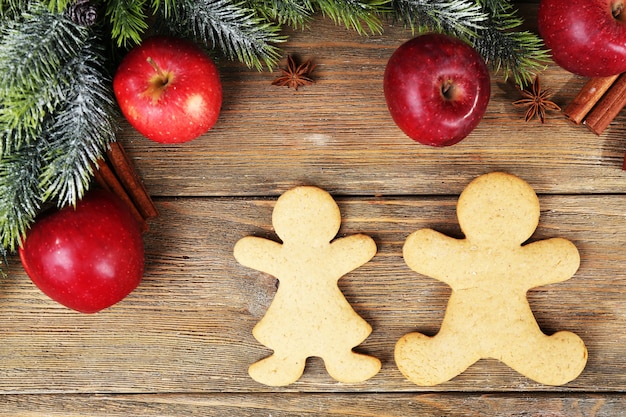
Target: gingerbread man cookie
<point>490,272</point>
<point>309,316</point>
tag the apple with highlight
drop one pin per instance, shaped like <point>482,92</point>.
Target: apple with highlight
<point>437,88</point>
<point>168,89</point>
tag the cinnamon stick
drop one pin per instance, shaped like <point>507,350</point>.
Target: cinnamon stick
<point>608,107</point>
<point>587,98</point>
<point>106,179</point>
<point>131,181</point>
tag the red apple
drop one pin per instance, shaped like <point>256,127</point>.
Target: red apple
<point>586,37</point>
<point>86,258</point>
<point>168,89</point>
<point>437,89</point>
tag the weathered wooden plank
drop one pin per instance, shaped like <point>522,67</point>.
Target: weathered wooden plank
<point>187,328</point>
<point>339,134</point>
<point>181,343</point>
<point>318,405</point>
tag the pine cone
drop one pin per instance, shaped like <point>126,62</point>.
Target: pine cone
<point>83,12</point>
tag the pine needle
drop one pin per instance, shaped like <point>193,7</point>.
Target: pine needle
<point>518,54</point>
<point>128,21</point>
<point>293,13</point>
<point>236,30</point>
<point>460,18</point>
<point>19,190</point>
<point>354,14</point>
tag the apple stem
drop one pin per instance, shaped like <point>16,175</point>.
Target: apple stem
<point>446,89</point>
<point>618,9</point>
<point>157,69</point>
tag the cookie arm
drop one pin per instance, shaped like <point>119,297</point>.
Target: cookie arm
<point>553,260</point>
<point>351,252</point>
<point>431,253</point>
<point>259,254</point>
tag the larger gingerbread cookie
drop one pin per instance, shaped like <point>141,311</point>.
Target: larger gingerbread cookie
<point>309,315</point>
<point>490,272</point>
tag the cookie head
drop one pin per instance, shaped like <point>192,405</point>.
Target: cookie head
<point>306,214</point>
<point>498,207</point>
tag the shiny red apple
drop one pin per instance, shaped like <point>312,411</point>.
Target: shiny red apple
<point>169,89</point>
<point>586,37</point>
<point>437,88</point>
<point>86,258</point>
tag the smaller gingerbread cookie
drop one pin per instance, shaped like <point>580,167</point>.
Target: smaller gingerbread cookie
<point>309,315</point>
<point>490,272</point>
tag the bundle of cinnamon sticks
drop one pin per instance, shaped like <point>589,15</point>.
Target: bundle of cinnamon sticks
<point>598,103</point>
<point>117,174</point>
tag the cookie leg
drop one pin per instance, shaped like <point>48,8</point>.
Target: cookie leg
<point>277,370</point>
<point>429,361</point>
<point>550,360</point>
<point>351,367</point>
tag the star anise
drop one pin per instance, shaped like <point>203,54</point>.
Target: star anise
<point>537,101</point>
<point>295,75</point>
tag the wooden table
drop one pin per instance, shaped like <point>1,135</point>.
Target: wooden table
<point>181,343</point>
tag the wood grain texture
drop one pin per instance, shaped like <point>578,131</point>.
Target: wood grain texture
<point>187,328</point>
<point>181,343</point>
<point>339,135</point>
<point>313,405</point>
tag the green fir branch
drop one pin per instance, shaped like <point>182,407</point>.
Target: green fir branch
<point>236,30</point>
<point>32,52</point>
<point>57,6</point>
<point>460,18</point>
<point>520,55</point>
<point>362,16</point>
<point>81,128</point>
<point>166,7</point>
<point>57,115</point>
<point>497,7</point>
<point>128,20</point>
<point>355,14</point>
<point>20,199</point>
<point>14,8</point>
<point>11,9</point>
<point>488,25</point>
<point>293,13</point>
